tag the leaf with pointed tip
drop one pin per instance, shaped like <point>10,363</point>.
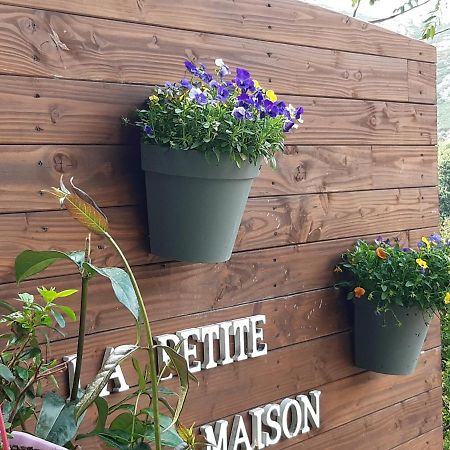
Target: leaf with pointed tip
<point>116,357</point>
<point>121,284</point>
<point>30,262</point>
<point>86,214</point>
<point>56,423</point>
<point>180,365</point>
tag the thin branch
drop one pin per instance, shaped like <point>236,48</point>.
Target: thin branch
<point>356,8</point>
<point>442,31</point>
<point>393,16</point>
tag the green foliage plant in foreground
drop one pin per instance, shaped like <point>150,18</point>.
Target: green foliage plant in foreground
<point>391,275</point>
<point>138,422</point>
<point>24,366</point>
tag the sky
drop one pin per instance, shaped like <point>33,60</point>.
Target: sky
<point>384,8</point>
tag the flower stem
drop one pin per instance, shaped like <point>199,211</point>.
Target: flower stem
<point>151,346</point>
<point>81,337</point>
<point>82,326</point>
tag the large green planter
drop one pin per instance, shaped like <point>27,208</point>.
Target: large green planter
<point>194,206</point>
<point>381,345</point>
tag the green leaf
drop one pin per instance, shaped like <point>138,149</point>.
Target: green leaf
<point>69,312</point>
<point>116,357</point>
<point>137,368</point>
<point>409,284</point>
<point>59,318</point>
<point>122,287</point>
<point>56,421</point>
<point>5,373</point>
<point>180,365</point>
<point>31,262</point>
<point>102,415</point>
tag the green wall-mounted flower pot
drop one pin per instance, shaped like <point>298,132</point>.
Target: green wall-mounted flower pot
<point>194,206</point>
<point>382,345</point>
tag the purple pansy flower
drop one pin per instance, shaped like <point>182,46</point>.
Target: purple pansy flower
<point>299,112</point>
<point>435,238</point>
<point>420,244</point>
<point>240,113</point>
<point>148,130</point>
<point>191,67</point>
<point>288,125</point>
<point>185,83</point>
<point>406,250</point>
<point>214,84</point>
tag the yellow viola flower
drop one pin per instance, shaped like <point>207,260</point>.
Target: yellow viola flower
<point>271,95</point>
<point>338,269</point>
<point>153,98</point>
<point>422,263</point>
<point>426,241</point>
<point>447,298</point>
<point>256,84</point>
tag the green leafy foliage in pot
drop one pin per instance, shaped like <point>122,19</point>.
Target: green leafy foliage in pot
<point>25,368</point>
<point>233,118</point>
<point>391,275</point>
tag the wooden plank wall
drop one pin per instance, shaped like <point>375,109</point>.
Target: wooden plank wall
<point>363,164</point>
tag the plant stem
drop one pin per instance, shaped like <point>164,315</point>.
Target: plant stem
<point>3,435</point>
<point>151,346</point>
<point>81,336</point>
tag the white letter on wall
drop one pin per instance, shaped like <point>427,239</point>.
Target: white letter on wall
<point>238,330</point>
<point>207,336</point>
<point>296,417</point>
<point>255,336</point>
<point>256,415</point>
<point>274,436</point>
<point>120,385</point>
<point>224,342</point>
<point>239,436</point>
<point>217,438</point>
<point>310,410</point>
<point>188,350</point>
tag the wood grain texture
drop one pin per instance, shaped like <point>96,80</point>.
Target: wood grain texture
<point>302,381</point>
<point>37,111</point>
<point>432,440</point>
<point>175,289</point>
<point>383,429</point>
<point>51,44</point>
<point>286,21</point>
<point>112,173</point>
<point>422,82</point>
<point>267,222</point>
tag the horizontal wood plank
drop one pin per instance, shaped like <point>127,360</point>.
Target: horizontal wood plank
<point>112,173</point>
<point>335,413</point>
<point>176,289</point>
<point>74,47</point>
<point>432,440</point>
<point>267,222</point>
<point>383,429</point>
<point>422,82</point>
<point>39,110</point>
<point>286,21</point>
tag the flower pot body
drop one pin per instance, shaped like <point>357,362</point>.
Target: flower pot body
<point>29,441</point>
<point>382,345</point>
<point>194,206</point>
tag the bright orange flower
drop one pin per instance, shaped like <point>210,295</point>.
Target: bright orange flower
<point>359,292</point>
<point>381,253</point>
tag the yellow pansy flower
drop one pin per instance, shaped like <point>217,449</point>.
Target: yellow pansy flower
<point>422,263</point>
<point>256,84</point>
<point>426,241</point>
<point>447,298</point>
<point>153,98</point>
<point>271,95</point>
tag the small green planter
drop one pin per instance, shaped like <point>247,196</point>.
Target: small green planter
<point>381,345</point>
<point>194,207</point>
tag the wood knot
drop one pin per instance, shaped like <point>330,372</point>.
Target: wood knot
<point>300,172</point>
<point>63,163</point>
<point>54,115</point>
<point>358,75</point>
<point>373,120</point>
<point>346,75</point>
